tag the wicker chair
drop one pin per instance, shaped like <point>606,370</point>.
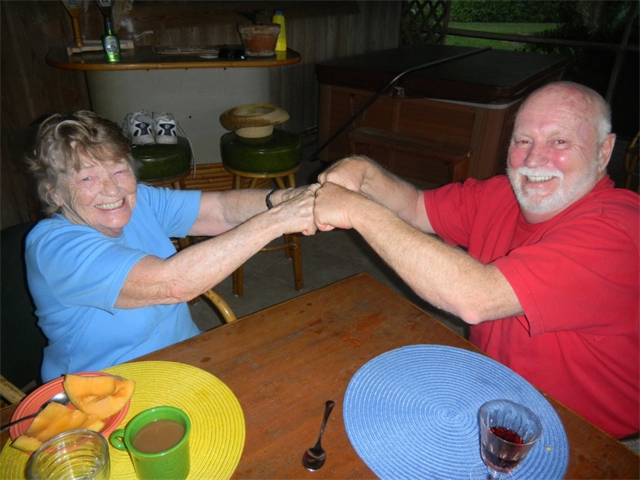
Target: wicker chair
<point>217,177</point>
<point>631,164</point>
<point>22,341</point>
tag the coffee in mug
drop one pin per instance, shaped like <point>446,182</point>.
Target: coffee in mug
<point>158,442</point>
<point>158,436</point>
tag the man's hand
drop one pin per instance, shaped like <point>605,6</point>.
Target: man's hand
<point>333,206</point>
<point>349,173</point>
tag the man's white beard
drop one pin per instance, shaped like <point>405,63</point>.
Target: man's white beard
<point>558,200</point>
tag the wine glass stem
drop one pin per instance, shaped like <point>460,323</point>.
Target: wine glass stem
<point>493,475</point>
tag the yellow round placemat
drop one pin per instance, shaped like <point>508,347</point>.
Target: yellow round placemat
<point>217,422</point>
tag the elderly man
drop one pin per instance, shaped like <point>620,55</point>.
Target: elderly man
<point>549,280</point>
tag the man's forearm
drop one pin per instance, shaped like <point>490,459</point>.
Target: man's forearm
<point>443,275</point>
<point>396,194</point>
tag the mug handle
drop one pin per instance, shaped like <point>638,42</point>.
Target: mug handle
<point>116,439</point>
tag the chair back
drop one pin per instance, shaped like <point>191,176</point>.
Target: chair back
<point>22,342</point>
<point>631,165</point>
<point>20,144</point>
<point>10,392</point>
<point>221,305</point>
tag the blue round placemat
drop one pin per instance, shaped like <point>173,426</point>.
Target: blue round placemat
<point>413,413</point>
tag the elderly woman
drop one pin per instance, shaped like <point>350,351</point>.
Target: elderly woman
<point>106,280</point>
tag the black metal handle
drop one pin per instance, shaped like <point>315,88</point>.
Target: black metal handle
<point>11,424</point>
<point>314,155</point>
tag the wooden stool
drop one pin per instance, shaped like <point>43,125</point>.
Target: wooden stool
<point>164,165</point>
<point>275,158</point>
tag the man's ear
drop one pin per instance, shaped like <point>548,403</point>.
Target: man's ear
<point>605,151</point>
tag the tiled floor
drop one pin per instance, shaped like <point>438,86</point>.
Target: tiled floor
<point>327,258</point>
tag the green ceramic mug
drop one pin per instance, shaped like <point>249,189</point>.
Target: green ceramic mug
<point>158,441</point>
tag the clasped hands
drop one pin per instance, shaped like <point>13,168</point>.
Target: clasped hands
<point>326,205</point>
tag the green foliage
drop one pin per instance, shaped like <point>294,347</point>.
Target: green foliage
<point>252,16</point>
<point>585,21</point>
<point>598,21</point>
<point>507,28</point>
<point>602,22</point>
<point>506,11</point>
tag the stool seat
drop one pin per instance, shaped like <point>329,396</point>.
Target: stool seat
<point>163,165</point>
<point>163,162</point>
<point>279,152</point>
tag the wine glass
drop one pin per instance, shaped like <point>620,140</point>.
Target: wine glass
<point>508,431</point>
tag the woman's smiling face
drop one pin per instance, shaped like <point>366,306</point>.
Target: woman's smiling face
<point>99,195</point>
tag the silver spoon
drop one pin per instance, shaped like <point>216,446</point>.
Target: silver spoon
<point>60,398</point>
<point>314,458</point>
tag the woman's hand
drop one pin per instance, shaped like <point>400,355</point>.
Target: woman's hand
<point>290,193</point>
<point>295,210</point>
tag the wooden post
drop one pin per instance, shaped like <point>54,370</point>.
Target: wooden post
<point>73,7</point>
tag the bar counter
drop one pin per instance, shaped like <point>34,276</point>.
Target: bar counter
<point>148,58</point>
<point>194,89</point>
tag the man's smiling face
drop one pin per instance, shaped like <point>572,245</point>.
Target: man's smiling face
<point>555,155</point>
<point>99,195</point>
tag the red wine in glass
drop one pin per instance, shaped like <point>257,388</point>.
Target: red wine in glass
<point>507,462</point>
<point>507,434</point>
<point>508,431</point>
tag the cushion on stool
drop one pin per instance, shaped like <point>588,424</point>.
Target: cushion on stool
<point>158,162</point>
<point>279,152</point>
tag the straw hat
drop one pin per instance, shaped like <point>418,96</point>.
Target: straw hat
<point>253,120</point>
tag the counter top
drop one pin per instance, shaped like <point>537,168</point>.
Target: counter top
<point>147,58</point>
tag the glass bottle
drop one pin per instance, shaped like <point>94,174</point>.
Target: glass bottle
<point>111,44</point>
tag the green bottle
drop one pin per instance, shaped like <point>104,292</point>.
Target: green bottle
<point>111,44</point>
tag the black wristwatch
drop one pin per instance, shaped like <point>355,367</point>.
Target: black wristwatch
<point>267,199</point>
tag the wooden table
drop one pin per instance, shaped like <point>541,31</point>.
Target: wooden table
<point>284,362</point>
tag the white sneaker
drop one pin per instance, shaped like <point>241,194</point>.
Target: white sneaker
<point>138,128</point>
<point>165,129</point>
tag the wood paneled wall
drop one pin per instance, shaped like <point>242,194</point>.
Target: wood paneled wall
<point>30,88</point>
<point>318,39</point>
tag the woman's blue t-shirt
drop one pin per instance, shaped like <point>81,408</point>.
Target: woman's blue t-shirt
<point>75,274</point>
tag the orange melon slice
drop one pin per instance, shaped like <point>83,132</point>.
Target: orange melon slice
<point>51,421</point>
<point>102,396</point>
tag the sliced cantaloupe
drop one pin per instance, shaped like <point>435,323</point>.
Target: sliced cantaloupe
<point>102,396</point>
<point>51,421</point>
<point>26,444</point>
